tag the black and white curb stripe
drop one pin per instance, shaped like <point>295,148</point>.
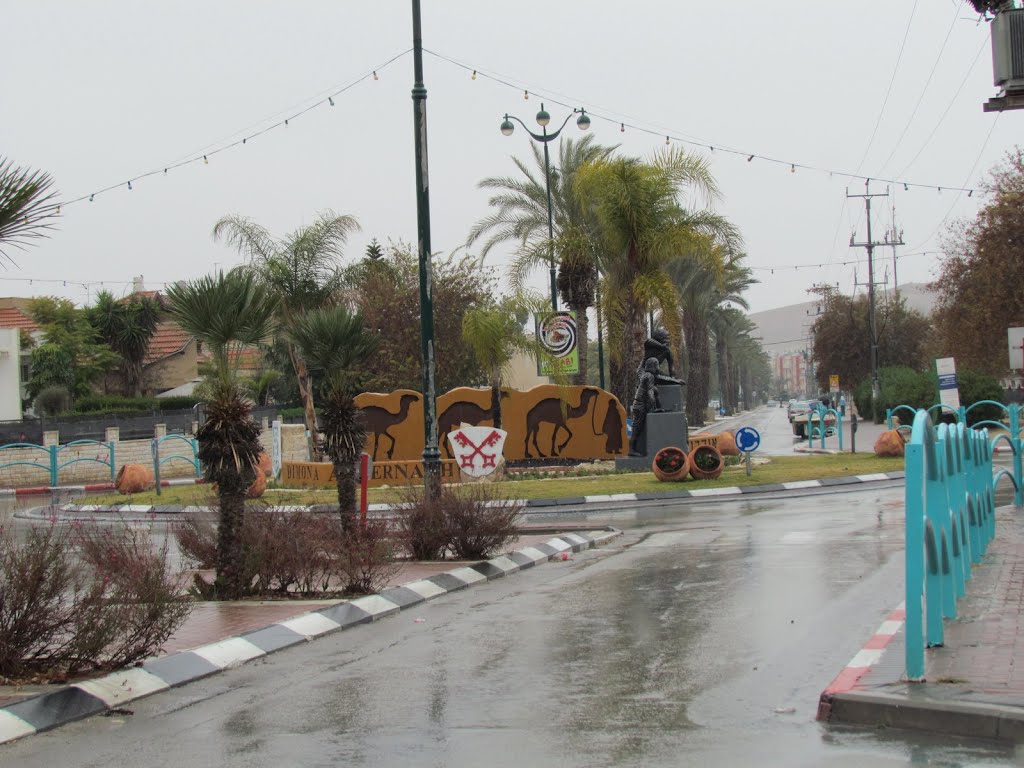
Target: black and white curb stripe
<point>701,493</point>
<point>50,710</point>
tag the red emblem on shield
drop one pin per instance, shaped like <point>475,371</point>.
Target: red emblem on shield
<point>477,449</point>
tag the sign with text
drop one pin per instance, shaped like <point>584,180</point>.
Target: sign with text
<point>949,392</point>
<point>556,332</point>
<point>833,383</point>
<point>275,447</point>
<point>311,474</point>
<point>1015,338</point>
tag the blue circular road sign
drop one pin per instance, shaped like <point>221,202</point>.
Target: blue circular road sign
<point>747,439</point>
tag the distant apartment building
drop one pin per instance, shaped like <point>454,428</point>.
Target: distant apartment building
<point>789,370</point>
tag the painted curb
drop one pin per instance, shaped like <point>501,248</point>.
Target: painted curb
<point>90,697</point>
<point>862,661</point>
<point>552,505</point>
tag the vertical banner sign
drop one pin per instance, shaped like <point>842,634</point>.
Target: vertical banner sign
<point>1015,337</point>
<point>833,383</point>
<point>949,394</point>
<point>275,448</point>
<point>556,331</point>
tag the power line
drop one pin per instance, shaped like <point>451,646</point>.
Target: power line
<point>885,101</point>
<point>674,135</point>
<point>924,90</point>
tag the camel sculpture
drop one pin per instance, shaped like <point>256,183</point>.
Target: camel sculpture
<point>380,421</point>
<point>551,410</point>
<point>462,412</point>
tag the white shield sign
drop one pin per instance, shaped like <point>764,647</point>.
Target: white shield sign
<point>477,449</point>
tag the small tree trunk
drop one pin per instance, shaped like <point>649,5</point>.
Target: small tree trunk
<point>496,404</point>
<point>230,572</point>
<point>582,328</point>
<point>698,356</point>
<point>309,411</point>
<point>345,478</point>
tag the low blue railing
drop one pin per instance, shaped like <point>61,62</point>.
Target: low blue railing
<point>950,519</point>
<point>819,429</point>
<point>192,457</point>
<point>50,460</point>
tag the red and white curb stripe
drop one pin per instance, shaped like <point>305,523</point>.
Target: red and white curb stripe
<point>863,660</point>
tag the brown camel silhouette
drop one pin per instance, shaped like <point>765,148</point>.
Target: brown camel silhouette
<point>462,411</point>
<point>379,421</point>
<point>549,411</point>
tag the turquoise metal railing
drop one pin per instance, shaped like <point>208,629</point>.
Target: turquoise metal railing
<point>53,464</point>
<point>950,519</point>
<point>192,457</point>
<point>819,429</point>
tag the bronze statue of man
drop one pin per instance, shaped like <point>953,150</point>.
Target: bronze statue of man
<point>645,401</point>
<point>657,346</point>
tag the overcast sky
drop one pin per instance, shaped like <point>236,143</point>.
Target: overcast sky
<point>100,92</point>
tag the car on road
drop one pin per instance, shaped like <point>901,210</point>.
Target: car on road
<point>796,406</point>
<point>802,413</point>
<point>771,403</point>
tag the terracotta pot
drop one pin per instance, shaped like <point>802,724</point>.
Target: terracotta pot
<point>670,464</point>
<point>266,466</point>
<point>706,453</point>
<point>889,443</point>
<point>259,485</point>
<point>133,478</point>
<point>727,444</point>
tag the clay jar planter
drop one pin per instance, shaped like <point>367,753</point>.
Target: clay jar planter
<point>706,463</point>
<point>670,464</point>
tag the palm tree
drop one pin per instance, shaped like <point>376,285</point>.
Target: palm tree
<point>333,341</point>
<point>227,312</point>
<point>27,206</point>
<point>495,334</point>
<point>644,226</point>
<point>127,326</point>
<point>702,294</point>
<point>522,218</point>
<point>733,345</point>
<point>301,270</point>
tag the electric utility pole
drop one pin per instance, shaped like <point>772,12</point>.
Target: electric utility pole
<point>869,244</point>
<point>893,238</point>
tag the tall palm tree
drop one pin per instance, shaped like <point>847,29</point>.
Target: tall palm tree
<point>27,206</point>
<point>644,226</point>
<point>521,217</point>
<point>732,329</point>
<point>227,311</point>
<point>495,334</point>
<point>334,342</point>
<point>702,294</point>
<point>301,269</point>
<point>127,326</point>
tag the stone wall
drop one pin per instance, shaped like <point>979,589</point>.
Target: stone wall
<point>89,471</point>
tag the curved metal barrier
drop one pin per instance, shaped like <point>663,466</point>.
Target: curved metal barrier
<point>53,464</point>
<point>950,519</point>
<point>820,429</point>
<point>192,457</point>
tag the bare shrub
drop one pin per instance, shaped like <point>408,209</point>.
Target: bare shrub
<point>287,551</point>
<point>38,599</point>
<point>364,559</point>
<point>480,521</point>
<point>197,539</point>
<point>422,525</point>
<point>134,603</point>
<point>117,604</point>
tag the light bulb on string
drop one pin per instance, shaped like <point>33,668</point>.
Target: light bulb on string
<point>375,75</point>
<point>243,141</point>
<point>792,168</point>
<point>940,190</point>
<point>330,101</point>
<point>58,210</point>
<point>749,159</point>
<point>526,95</point>
<point>622,127</point>
<point>129,185</point>
<point>666,141</point>
<point>91,197</point>
<point>205,161</point>
<point>474,75</point>
<point>286,122</point>
<point>905,187</point>
<point>970,193</point>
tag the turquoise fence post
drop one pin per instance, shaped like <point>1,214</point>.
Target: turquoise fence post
<point>914,560</point>
<point>155,447</point>
<point>888,418</point>
<point>195,456</point>
<point>113,462</point>
<point>1018,462</point>
<point>53,466</point>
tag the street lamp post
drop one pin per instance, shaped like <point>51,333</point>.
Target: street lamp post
<point>543,118</point>
<point>431,454</point>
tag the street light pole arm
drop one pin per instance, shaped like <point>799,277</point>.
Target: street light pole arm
<point>544,138</point>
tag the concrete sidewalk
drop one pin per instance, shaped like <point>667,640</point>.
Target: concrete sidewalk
<point>973,685</point>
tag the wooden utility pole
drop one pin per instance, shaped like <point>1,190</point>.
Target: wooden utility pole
<point>869,244</point>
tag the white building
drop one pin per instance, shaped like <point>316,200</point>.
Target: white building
<point>10,374</point>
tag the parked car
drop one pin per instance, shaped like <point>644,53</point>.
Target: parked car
<point>771,403</point>
<point>796,406</point>
<point>802,417</point>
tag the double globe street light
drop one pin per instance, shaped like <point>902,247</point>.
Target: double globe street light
<point>543,119</point>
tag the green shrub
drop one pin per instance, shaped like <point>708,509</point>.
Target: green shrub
<point>975,387</point>
<point>900,386</point>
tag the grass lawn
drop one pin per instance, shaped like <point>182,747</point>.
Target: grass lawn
<point>778,469</point>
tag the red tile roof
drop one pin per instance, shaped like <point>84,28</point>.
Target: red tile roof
<point>168,339</point>
<point>12,317</point>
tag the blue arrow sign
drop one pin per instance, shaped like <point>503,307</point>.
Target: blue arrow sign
<point>747,439</point>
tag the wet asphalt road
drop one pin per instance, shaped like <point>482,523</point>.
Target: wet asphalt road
<point>703,636</point>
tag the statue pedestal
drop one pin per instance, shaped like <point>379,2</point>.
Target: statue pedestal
<point>671,396</point>
<point>663,430</point>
